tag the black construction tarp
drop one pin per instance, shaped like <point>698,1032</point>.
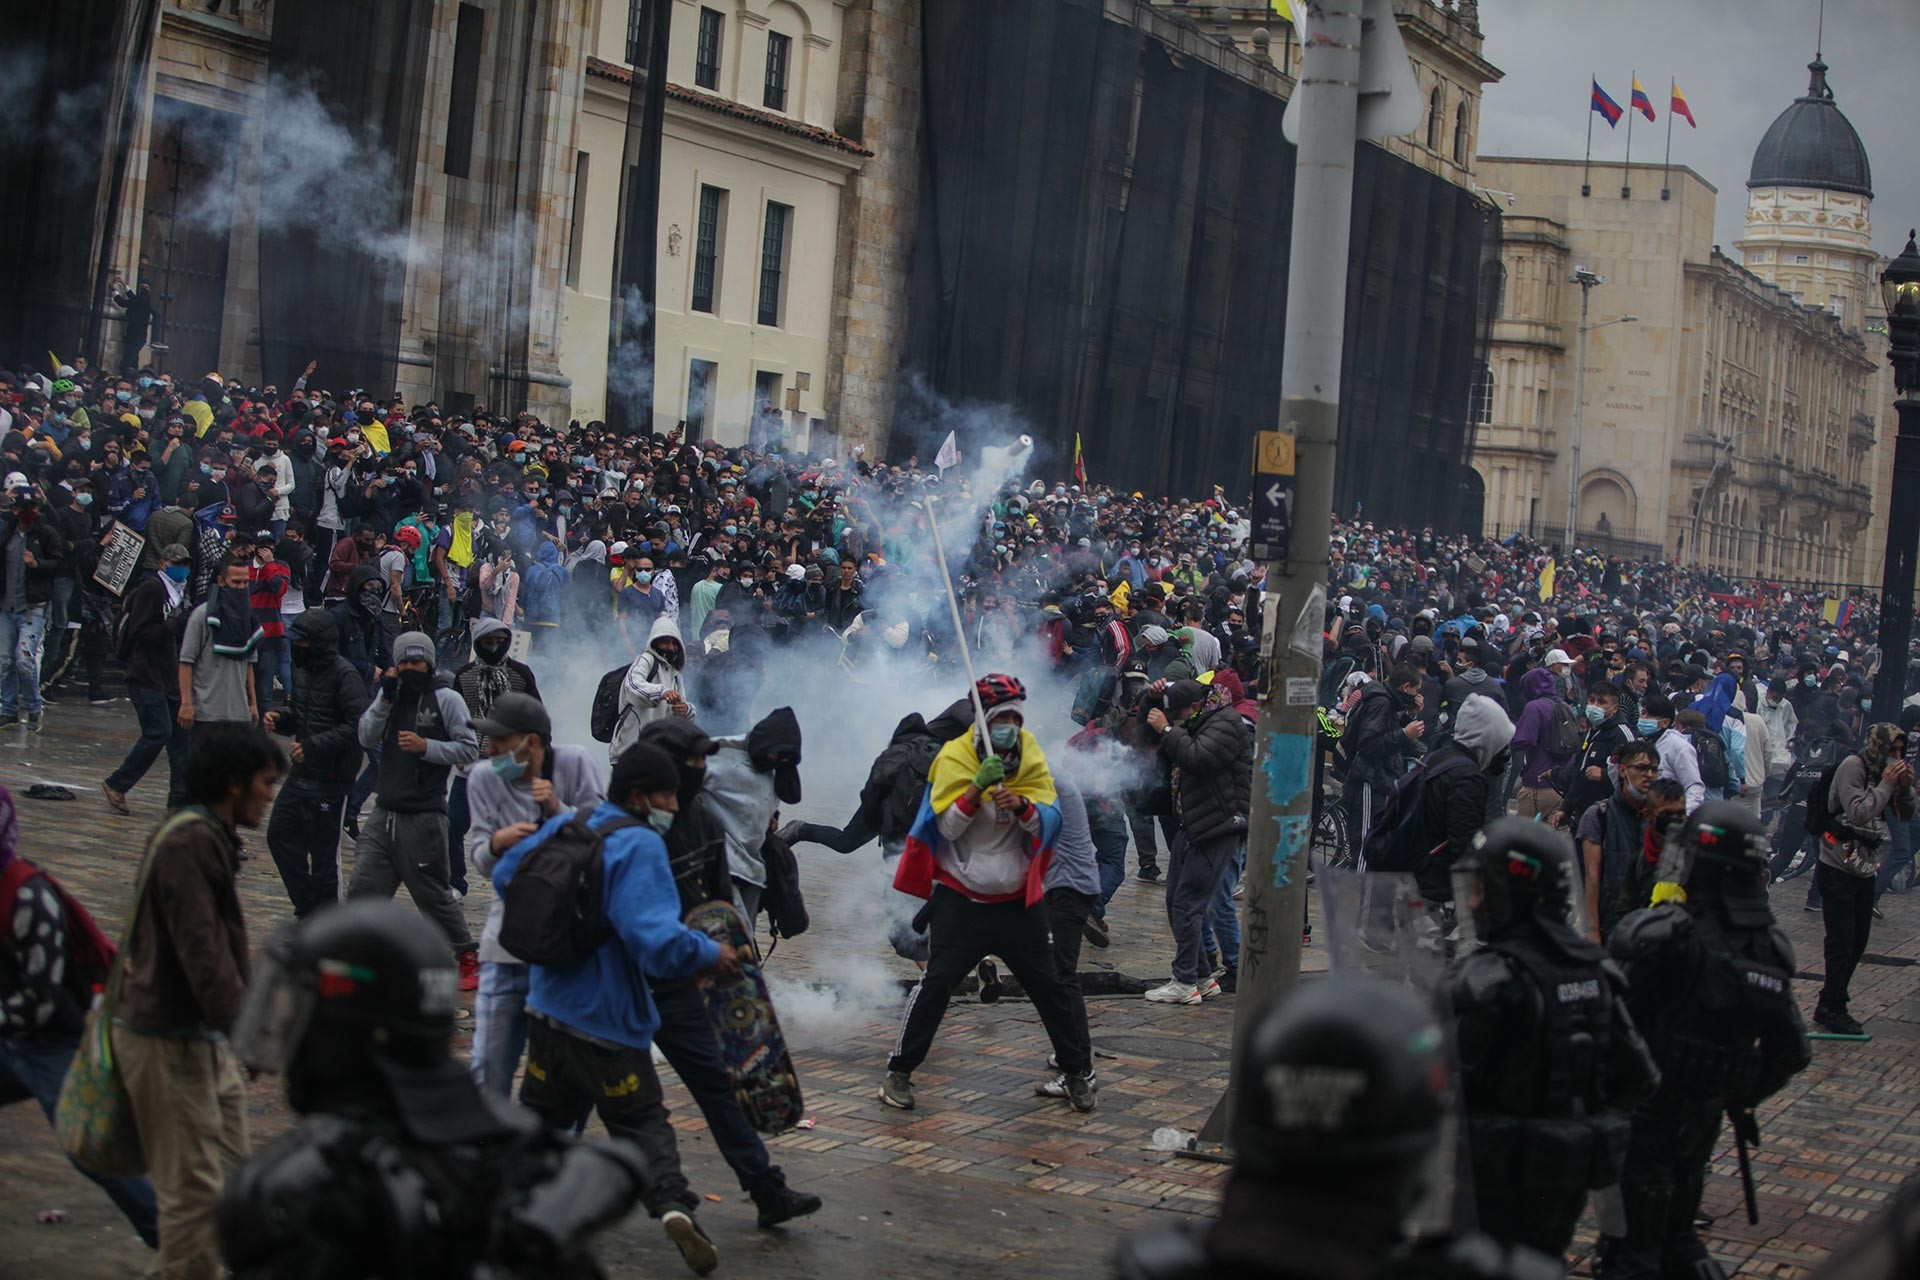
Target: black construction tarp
<point>73,72</point>
<point>327,295</point>
<point>1102,243</point>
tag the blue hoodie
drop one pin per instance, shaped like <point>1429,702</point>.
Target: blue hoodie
<point>605,995</point>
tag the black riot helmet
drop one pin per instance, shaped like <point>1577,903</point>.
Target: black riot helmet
<point>1515,870</point>
<point>1720,857</point>
<point>356,1006</point>
<point>1343,1087</point>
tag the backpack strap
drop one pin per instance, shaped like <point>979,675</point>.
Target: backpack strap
<point>176,820</point>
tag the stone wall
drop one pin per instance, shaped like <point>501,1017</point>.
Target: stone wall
<point>879,106</point>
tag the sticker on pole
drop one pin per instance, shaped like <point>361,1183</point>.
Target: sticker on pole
<point>1273,472</point>
<point>1302,691</point>
<point>1306,638</point>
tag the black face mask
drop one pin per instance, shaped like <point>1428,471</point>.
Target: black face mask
<point>416,682</point>
<point>303,656</point>
<point>691,780</point>
<point>491,650</point>
<point>370,601</point>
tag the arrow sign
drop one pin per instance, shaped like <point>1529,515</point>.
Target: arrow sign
<point>1273,468</point>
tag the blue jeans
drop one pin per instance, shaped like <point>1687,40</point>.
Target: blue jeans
<point>1903,836</point>
<point>272,658</point>
<point>1109,833</point>
<point>22,632</point>
<point>159,717</point>
<point>459,819</point>
<point>37,1070</point>
<point>1223,917</point>
<point>499,1026</point>
<point>692,1047</point>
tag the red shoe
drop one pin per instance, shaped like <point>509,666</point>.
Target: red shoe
<point>469,970</point>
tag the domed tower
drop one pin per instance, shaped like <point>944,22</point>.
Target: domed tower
<point>1809,205</point>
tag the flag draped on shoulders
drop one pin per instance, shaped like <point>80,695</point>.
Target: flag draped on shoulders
<point>947,781</point>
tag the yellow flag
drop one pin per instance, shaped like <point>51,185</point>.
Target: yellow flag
<point>1546,581</point>
<point>1830,611</point>
<point>1280,7</point>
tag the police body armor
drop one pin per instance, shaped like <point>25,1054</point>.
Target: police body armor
<point>1732,984</point>
<point>1540,1114</point>
<point>339,1197</point>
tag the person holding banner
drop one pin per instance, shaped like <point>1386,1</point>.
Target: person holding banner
<point>149,646</point>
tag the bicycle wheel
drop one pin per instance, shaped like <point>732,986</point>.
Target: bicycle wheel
<point>1330,846</point>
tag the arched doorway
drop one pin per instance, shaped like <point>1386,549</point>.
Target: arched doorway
<point>1607,505</point>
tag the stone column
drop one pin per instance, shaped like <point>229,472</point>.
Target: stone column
<point>879,105</point>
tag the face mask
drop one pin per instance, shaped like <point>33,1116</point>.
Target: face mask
<point>84,499</point>
<point>1595,714</point>
<point>146,415</point>
<point>660,820</point>
<point>1004,736</point>
<point>643,577</point>
<point>123,396</point>
<point>491,650</point>
<point>177,573</point>
<point>733,530</point>
<point>1809,681</point>
<point>509,767</point>
<point>1662,825</point>
<point>1632,792</point>
<point>416,681</point>
<point>1648,727</point>
<point>217,473</point>
<point>1866,705</point>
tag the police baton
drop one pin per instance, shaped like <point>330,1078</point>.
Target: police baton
<point>1746,1131</point>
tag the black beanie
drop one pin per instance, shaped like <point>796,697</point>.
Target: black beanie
<point>642,767</point>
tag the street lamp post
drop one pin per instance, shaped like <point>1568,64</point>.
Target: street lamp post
<point>1586,280</point>
<point>1900,289</point>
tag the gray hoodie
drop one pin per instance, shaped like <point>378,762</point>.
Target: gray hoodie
<point>649,680</point>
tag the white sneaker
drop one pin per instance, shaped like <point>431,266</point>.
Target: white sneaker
<point>1209,989</point>
<point>1175,992</point>
<point>1056,1087</point>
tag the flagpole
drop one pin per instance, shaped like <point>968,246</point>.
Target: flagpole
<point>1666,192</point>
<point>1586,172</point>
<point>1626,171</point>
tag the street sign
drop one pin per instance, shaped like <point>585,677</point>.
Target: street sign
<point>1273,466</point>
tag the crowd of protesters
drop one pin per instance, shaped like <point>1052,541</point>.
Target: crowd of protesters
<point>383,588</point>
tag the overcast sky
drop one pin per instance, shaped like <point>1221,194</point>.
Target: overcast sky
<point>1739,64</point>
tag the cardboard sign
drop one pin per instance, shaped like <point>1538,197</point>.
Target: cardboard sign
<point>119,557</point>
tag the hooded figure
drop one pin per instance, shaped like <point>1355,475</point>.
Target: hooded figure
<point>655,686</point>
<point>747,778</point>
<point>356,618</point>
<point>1459,801</point>
<point>492,673</point>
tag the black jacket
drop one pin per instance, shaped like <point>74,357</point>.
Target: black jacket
<point>1456,809</point>
<point>1376,738</point>
<point>324,716</point>
<point>49,551</point>
<point>150,636</point>
<point>891,799</point>
<point>1599,745</point>
<point>1212,773</point>
<point>358,634</point>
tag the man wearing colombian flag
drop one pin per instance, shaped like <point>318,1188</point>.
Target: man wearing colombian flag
<point>978,852</point>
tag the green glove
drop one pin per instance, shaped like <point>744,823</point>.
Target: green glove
<point>991,773</point>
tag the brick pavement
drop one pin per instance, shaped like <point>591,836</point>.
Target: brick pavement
<point>984,1178</point>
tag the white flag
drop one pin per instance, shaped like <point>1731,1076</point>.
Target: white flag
<point>949,455</point>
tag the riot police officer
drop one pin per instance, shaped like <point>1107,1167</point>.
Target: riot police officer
<point>401,1167</point>
<point>1550,1060</point>
<point>1335,1134</point>
<point>1712,985</point>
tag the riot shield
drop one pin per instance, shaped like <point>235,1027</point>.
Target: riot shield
<point>1383,924</point>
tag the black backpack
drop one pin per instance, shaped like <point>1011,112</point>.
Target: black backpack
<point>1565,729</point>
<point>555,910</point>
<point>1713,757</point>
<point>1821,819</point>
<point>606,705</point>
<point>1400,839</point>
<point>782,900</point>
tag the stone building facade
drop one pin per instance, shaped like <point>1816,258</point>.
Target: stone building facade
<point>1721,425</point>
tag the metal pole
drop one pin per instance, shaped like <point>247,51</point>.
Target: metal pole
<point>1586,283</point>
<point>1281,824</point>
<point>959,627</point>
<point>1896,575</point>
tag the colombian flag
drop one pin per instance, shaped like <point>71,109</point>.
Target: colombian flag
<point>1547,574</point>
<point>1079,462</point>
<point>952,771</point>
<point>1680,107</point>
<point>1641,102</point>
<point>1605,105</point>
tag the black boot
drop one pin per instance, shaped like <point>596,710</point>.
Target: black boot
<point>780,1203</point>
